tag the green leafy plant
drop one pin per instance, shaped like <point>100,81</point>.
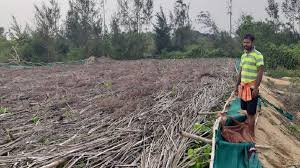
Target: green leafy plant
<point>198,152</point>
<point>201,128</point>
<point>294,129</point>
<point>200,156</point>
<point>35,120</point>
<point>107,84</point>
<point>3,110</point>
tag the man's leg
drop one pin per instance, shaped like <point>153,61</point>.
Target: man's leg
<point>251,120</point>
<point>243,105</point>
<point>251,111</point>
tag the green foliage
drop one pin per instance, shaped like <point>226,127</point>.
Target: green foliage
<point>194,51</point>
<point>230,46</point>
<point>33,49</point>
<point>282,72</point>
<point>294,129</point>
<point>3,110</point>
<point>265,32</point>
<point>130,46</point>
<point>162,32</point>
<point>291,10</point>
<point>182,36</point>
<point>173,55</point>
<point>2,35</point>
<point>201,52</point>
<point>35,120</point>
<point>84,23</point>
<point>200,156</point>
<point>273,10</point>
<point>107,84</point>
<point>5,47</point>
<point>75,54</point>
<point>84,34</point>
<point>205,19</point>
<point>296,51</point>
<point>199,153</point>
<point>201,128</point>
<point>279,56</point>
<point>135,15</point>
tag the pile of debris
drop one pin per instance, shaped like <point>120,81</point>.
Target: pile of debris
<point>107,114</point>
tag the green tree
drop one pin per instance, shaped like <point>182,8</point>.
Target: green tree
<point>47,27</point>
<point>182,25</point>
<point>5,46</point>
<point>181,17</point>
<point>2,35</point>
<point>128,28</point>
<point>206,20</point>
<point>162,32</point>
<point>273,10</point>
<point>20,37</point>
<point>135,15</point>
<point>263,31</point>
<point>84,25</point>
<point>17,33</point>
<point>291,10</point>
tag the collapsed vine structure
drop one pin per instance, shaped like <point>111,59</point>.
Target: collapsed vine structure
<point>108,114</point>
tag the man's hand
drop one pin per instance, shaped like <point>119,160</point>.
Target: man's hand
<point>255,93</point>
<point>236,91</point>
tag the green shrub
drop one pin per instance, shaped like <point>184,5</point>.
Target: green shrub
<point>280,72</point>
<point>173,55</point>
<point>198,152</point>
<point>296,51</point>
<point>279,56</point>
<point>197,52</point>
<point>5,47</point>
<point>35,120</point>
<point>130,46</point>
<point>3,110</point>
<point>75,54</point>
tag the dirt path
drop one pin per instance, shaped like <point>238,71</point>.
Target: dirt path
<point>270,131</point>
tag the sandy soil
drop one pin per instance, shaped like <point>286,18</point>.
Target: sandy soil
<point>270,131</point>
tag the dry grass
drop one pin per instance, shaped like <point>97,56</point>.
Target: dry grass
<point>107,114</point>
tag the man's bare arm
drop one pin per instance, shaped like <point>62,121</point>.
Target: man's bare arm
<point>260,74</point>
<point>239,78</point>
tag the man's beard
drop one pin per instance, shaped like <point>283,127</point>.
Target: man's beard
<point>248,48</point>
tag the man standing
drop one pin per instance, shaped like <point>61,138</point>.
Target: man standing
<point>249,79</point>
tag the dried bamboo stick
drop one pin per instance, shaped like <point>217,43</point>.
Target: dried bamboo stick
<point>55,163</point>
<point>196,137</point>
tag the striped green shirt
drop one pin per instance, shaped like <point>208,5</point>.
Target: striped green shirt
<point>250,62</point>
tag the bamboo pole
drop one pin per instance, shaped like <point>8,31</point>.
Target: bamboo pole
<point>208,113</point>
<point>196,137</point>
<point>55,163</point>
<point>209,141</point>
<point>215,128</point>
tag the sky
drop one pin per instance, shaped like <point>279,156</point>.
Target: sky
<point>23,10</point>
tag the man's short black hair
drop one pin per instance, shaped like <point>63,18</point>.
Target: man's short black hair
<point>250,37</point>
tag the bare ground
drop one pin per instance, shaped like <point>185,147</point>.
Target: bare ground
<point>271,130</point>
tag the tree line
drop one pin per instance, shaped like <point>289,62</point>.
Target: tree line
<point>136,31</point>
